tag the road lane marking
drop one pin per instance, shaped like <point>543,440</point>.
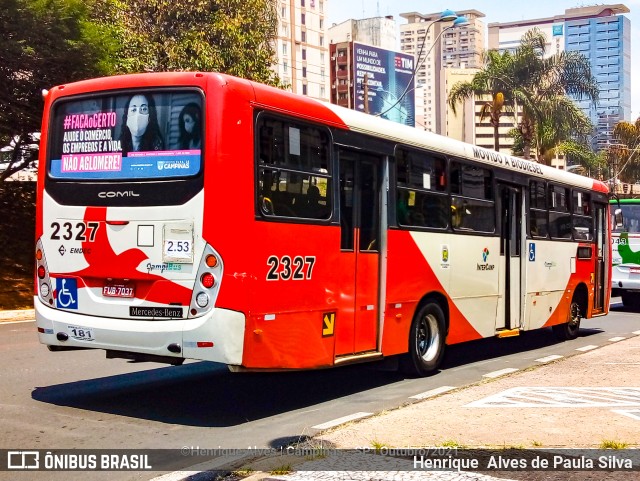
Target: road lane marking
<point>433,392</point>
<point>587,348</point>
<point>632,413</point>
<point>616,339</point>
<point>553,357</point>
<point>342,420</point>
<point>501,372</point>
<point>562,397</point>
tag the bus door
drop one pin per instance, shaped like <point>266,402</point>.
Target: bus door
<point>356,327</point>
<point>601,280</point>
<point>510,212</point>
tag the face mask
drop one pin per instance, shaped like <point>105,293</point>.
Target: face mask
<point>137,124</point>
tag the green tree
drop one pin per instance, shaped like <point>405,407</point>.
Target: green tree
<point>45,43</point>
<point>626,151</point>
<point>230,36</point>
<point>541,89</point>
<point>491,81</point>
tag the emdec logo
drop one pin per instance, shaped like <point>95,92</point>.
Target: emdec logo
<point>485,266</point>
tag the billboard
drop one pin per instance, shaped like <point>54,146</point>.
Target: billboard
<point>390,80</point>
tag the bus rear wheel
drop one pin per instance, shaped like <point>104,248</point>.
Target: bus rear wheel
<point>426,340</point>
<point>569,330</point>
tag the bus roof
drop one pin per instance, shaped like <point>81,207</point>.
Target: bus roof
<point>340,117</point>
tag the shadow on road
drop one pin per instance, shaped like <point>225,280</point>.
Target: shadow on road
<point>207,395</point>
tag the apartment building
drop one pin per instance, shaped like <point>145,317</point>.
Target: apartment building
<point>438,46</point>
<point>302,52</point>
<point>602,33</point>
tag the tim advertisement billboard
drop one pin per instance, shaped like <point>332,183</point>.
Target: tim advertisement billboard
<point>389,77</point>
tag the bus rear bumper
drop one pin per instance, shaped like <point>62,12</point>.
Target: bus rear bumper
<point>216,336</point>
<point>626,277</point>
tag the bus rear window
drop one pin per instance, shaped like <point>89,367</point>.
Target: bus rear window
<point>139,135</point>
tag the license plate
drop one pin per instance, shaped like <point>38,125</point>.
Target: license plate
<point>118,290</point>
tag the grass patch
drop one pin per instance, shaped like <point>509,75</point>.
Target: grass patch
<point>280,470</point>
<point>609,444</point>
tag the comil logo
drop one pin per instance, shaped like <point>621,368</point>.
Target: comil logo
<point>112,194</point>
<point>485,266</point>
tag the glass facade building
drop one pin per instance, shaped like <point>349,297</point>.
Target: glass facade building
<point>601,33</point>
<point>606,42</point>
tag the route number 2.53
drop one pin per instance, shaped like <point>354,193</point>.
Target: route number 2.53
<point>284,268</point>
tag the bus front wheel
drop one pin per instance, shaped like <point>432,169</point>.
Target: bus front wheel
<point>426,340</point>
<point>569,330</point>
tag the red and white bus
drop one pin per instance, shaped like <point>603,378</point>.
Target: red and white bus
<point>282,232</point>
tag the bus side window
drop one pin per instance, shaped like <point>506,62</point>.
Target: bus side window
<point>292,159</point>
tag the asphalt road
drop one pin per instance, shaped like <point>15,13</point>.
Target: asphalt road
<point>80,400</point>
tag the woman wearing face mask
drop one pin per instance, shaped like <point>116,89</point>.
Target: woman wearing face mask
<point>190,127</point>
<point>140,132</point>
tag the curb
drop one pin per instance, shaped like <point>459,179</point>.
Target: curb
<point>18,315</point>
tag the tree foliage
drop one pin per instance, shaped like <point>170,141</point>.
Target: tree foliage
<point>45,43</point>
<point>230,36</point>
<point>491,81</point>
<point>541,89</point>
<point>538,87</point>
<point>625,155</point>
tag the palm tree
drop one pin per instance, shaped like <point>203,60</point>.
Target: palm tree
<point>492,79</point>
<point>525,81</point>
<point>541,87</point>
<point>627,150</point>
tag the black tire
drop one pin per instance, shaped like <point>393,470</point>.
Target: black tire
<point>426,341</point>
<point>630,299</point>
<point>569,330</point>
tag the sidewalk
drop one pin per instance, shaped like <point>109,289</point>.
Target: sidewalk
<point>590,400</point>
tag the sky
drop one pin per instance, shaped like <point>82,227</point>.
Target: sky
<point>340,10</point>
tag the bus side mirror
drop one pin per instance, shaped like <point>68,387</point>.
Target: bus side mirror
<point>617,215</point>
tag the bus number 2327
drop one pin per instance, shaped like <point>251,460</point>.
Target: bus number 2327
<point>284,268</point>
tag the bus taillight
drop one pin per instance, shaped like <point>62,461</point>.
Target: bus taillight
<point>41,272</point>
<point>211,261</point>
<point>202,299</point>
<point>208,280</point>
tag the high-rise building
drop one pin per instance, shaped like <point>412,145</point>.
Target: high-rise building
<point>302,53</point>
<point>437,46</point>
<point>602,34</point>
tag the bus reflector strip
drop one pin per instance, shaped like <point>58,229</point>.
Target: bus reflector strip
<point>192,344</point>
<point>45,331</point>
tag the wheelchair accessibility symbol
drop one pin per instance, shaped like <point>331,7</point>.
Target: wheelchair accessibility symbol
<point>532,252</point>
<point>67,293</point>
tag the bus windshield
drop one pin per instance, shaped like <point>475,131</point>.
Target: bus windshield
<point>139,135</point>
<point>630,215</point>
